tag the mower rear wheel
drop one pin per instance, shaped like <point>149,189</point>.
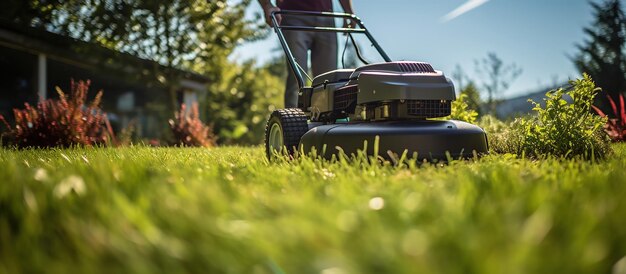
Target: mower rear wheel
<point>283,131</point>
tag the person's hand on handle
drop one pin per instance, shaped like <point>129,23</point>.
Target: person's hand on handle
<point>268,8</point>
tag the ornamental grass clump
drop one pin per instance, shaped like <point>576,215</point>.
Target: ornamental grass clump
<point>189,130</point>
<point>565,129</point>
<point>64,122</point>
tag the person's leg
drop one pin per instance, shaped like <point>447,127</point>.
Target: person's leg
<point>299,43</point>
<point>324,49</point>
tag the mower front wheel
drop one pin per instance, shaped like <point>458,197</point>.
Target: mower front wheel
<point>283,131</point>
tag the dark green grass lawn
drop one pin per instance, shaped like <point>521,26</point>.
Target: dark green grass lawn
<point>226,210</point>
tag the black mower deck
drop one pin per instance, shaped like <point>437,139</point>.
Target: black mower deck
<point>431,140</point>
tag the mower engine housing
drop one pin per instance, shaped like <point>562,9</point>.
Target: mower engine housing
<point>384,91</point>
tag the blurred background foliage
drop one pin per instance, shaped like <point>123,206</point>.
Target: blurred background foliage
<point>603,54</point>
<point>199,36</point>
<point>240,101</point>
<point>185,34</point>
<point>192,35</point>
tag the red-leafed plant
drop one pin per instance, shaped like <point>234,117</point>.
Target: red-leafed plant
<point>615,127</point>
<point>62,122</point>
<point>189,130</point>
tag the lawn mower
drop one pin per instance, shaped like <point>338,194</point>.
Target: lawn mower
<point>382,108</point>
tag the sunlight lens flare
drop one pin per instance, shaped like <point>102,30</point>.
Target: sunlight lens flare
<point>468,6</point>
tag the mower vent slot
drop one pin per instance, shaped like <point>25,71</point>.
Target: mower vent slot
<point>429,108</point>
<point>416,67</point>
<point>344,97</point>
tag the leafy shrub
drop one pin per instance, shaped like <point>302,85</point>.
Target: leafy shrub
<point>461,110</point>
<point>189,130</point>
<point>240,101</point>
<point>61,122</point>
<point>565,129</point>
<point>615,127</point>
<point>503,137</point>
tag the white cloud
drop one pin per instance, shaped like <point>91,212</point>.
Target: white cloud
<point>468,6</point>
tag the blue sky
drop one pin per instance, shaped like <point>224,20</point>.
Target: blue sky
<point>537,35</point>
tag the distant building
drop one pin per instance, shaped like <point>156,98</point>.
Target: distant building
<point>518,106</point>
<point>33,62</point>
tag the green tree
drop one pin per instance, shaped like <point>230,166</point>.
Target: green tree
<point>498,77</point>
<point>29,13</point>
<point>602,55</point>
<point>473,97</point>
<point>194,35</point>
<point>180,33</point>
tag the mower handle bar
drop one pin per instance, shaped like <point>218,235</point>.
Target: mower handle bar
<point>283,42</point>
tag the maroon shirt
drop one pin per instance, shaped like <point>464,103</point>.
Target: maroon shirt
<point>306,5</point>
